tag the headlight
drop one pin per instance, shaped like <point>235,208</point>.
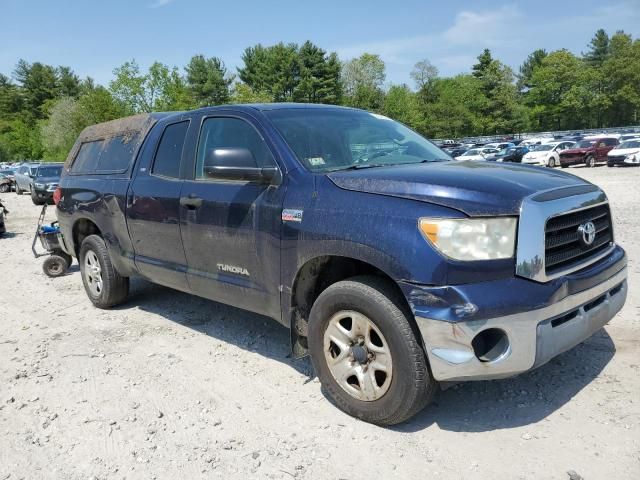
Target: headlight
<point>472,239</point>
<point>38,185</point>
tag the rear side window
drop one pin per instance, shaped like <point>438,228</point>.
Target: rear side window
<point>109,155</point>
<point>167,159</point>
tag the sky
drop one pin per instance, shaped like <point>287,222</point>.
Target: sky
<point>92,37</point>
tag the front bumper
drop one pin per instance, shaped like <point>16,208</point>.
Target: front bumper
<point>533,336</point>
<point>43,194</point>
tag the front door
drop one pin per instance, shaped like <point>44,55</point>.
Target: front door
<point>231,229</point>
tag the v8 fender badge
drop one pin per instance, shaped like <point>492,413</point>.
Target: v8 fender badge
<point>290,215</point>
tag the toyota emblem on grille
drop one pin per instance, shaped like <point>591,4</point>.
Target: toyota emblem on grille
<point>587,233</point>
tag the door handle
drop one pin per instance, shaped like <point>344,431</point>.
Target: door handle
<point>191,202</point>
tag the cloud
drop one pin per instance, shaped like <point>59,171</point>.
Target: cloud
<point>160,3</point>
<point>507,31</point>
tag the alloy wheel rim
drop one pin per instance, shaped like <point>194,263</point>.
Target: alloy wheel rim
<point>93,272</point>
<point>358,355</point>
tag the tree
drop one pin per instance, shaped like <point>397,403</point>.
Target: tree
<point>319,76</point>
<point>208,81</point>
<point>598,50</point>
<point>243,93</point>
<point>274,69</point>
<point>401,104</point>
<point>160,89</point>
<point>484,62</point>
<point>39,84</point>
<point>423,74</point>
<point>533,61</point>
<point>362,79</point>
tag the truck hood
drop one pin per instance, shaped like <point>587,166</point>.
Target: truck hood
<point>474,188</point>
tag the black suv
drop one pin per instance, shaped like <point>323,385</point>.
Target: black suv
<point>45,183</point>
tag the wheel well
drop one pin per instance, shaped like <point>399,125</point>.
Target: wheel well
<point>82,229</point>
<point>313,278</point>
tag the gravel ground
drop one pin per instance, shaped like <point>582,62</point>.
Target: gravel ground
<point>173,386</point>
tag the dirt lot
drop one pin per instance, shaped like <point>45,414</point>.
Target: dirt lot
<point>172,386</point>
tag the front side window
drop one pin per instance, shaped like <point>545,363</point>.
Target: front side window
<point>233,141</point>
<point>169,153</point>
<point>325,140</point>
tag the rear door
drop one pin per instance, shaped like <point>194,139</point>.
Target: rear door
<point>231,228</point>
<point>153,212</point>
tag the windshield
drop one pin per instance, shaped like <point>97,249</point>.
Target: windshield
<point>328,140</point>
<point>629,144</point>
<point>49,171</point>
<point>585,143</point>
<point>544,148</point>
<point>473,151</point>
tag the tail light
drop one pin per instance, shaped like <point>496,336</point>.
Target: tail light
<point>57,195</point>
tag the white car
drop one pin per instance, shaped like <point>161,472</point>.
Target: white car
<point>536,141</point>
<point>483,153</point>
<point>626,153</point>
<point>499,145</point>
<point>546,154</point>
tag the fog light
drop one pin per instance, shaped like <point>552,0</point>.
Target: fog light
<point>490,345</point>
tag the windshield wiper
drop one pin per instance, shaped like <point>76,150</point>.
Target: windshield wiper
<point>359,166</point>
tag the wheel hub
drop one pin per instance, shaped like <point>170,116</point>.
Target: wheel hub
<point>360,354</point>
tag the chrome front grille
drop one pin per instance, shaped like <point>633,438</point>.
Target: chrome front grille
<point>549,239</point>
<point>564,246</point>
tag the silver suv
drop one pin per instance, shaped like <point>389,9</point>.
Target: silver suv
<point>25,174</point>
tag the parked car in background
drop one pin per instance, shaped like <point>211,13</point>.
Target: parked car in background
<point>45,183</point>
<point>7,180</point>
<point>456,152</point>
<point>629,136</point>
<point>626,153</point>
<point>546,154</point>
<point>24,177</point>
<point>536,141</point>
<point>588,152</point>
<point>500,145</point>
<point>511,154</point>
<point>478,154</point>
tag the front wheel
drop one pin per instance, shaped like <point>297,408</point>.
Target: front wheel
<point>105,287</point>
<point>4,188</point>
<point>590,161</point>
<point>552,162</point>
<point>366,354</point>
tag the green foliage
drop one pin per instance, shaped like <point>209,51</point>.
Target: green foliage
<point>363,78</point>
<point>208,81</point>
<point>43,107</point>
<point>292,73</point>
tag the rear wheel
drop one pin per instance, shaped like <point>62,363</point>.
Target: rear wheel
<point>4,188</point>
<point>105,287</point>
<point>366,354</point>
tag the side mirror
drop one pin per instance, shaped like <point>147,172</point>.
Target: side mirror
<point>238,164</point>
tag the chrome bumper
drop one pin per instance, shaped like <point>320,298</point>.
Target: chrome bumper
<point>534,337</point>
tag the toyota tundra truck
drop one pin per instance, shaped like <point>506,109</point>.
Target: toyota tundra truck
<point>395,267</point>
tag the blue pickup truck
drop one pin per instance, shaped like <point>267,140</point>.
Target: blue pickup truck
<point>395,267</point>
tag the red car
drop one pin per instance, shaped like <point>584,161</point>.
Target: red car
<point>588,152</point>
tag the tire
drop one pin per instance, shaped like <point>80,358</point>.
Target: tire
<point>35,200</point>
<point>55,266</point>
<point>18,191</point>
<point>5,187</point>
<point>590,161</point>
<point>552,162</point>
<point>105,287</point>
<point>389,329</point>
